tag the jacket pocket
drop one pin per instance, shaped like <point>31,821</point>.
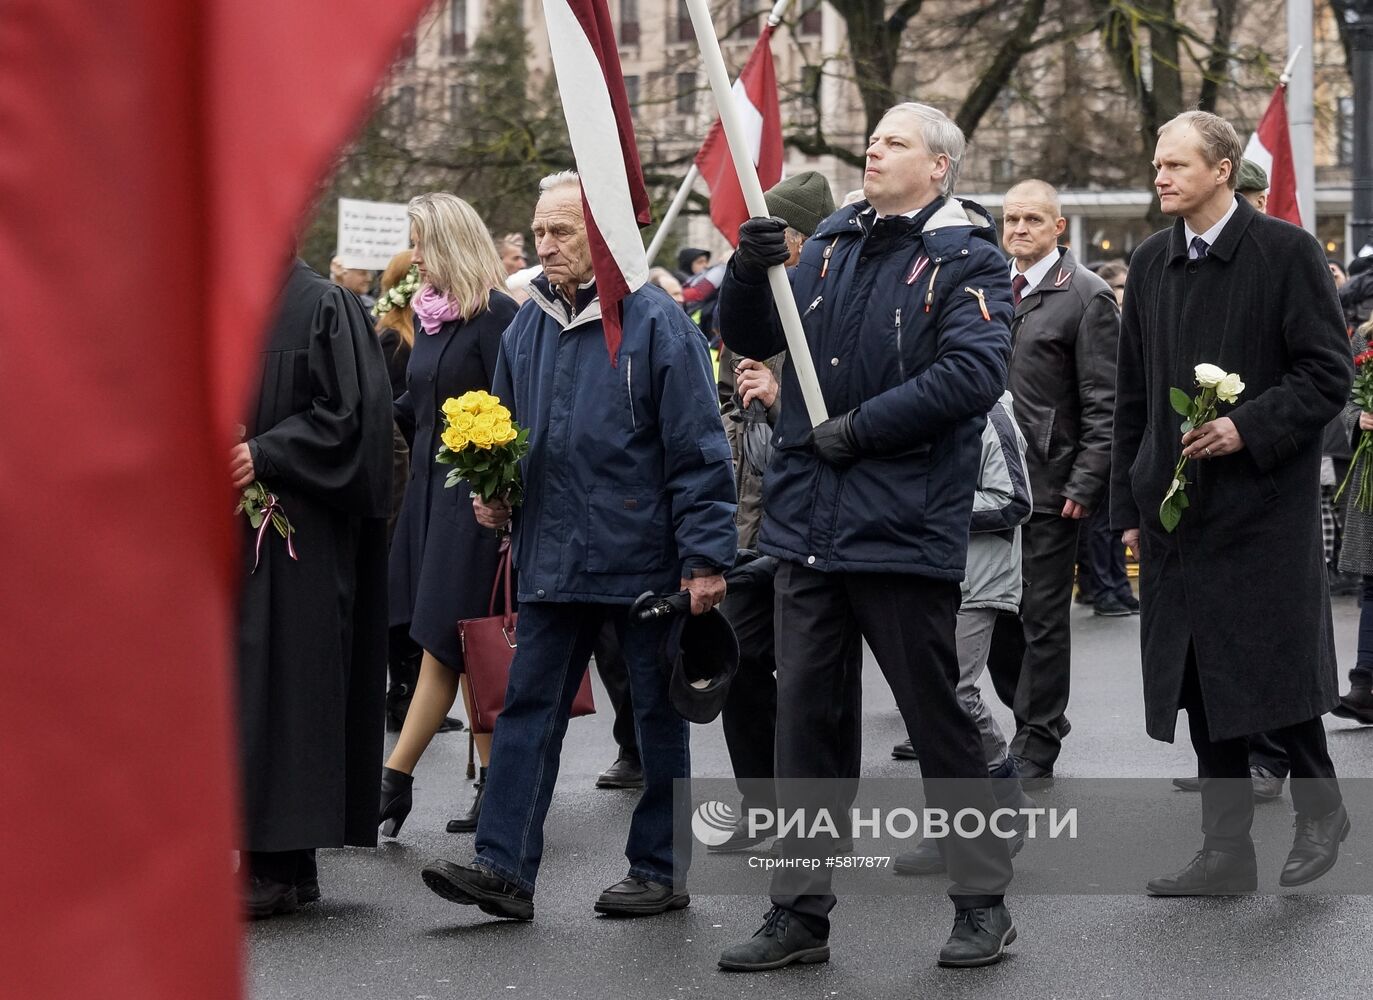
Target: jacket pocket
<point>626,531</point>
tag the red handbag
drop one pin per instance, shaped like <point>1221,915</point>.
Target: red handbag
<point>488,646</point>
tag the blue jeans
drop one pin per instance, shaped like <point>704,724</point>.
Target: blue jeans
<point>555,643</point>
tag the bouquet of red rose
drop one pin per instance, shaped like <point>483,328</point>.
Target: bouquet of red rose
<point>1362,397</point>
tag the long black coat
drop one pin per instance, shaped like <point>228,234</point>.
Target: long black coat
<point>1243,577</point>
<point>312,633</point>
<point>442,561</point>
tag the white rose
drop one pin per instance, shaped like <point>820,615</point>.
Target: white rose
<point>1209,376</point>
<point>1229,388</point>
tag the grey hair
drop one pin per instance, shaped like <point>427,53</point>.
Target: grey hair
<point>560,179</point>
<point>940,135</point>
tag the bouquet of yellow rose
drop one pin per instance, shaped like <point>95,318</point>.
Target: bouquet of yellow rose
<point>483,445</point>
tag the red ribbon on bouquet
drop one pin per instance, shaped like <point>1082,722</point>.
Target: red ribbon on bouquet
<point>272,506</point>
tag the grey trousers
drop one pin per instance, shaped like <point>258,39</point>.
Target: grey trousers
<point>973,635</point>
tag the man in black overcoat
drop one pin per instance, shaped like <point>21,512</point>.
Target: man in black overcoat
<point>1236,624</point>
<point>312,629</point>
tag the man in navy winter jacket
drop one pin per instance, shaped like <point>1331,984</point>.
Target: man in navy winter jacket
<point>906,305</point>
<point>627,488</point>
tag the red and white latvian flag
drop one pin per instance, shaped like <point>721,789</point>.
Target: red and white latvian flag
<point>1271,148</point>
<point>755,95</point>
<point>586,60</point>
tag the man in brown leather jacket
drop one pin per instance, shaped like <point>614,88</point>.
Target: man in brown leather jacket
<point>1062,375</point>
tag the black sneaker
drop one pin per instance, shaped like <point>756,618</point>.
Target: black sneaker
<point>781,940</point>
<point>474,885</point>
<point>980,936</point>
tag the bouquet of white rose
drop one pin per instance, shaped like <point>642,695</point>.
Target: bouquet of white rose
<point>1217,385</point>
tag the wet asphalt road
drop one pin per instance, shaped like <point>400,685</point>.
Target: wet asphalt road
<point>381,934</point>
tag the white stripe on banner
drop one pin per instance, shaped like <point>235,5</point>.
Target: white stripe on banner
<point>750,118</point>
<point>595,141</point>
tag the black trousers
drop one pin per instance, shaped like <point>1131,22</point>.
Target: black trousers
<point>1101,557</point>
<point>1030,660</point>
<point>750,713</point>
<point>908,622</point>
<point>610,664</point>
<point>1227,799</point>
<point>1269,753</point>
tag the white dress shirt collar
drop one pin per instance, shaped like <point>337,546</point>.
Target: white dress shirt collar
<point>1036,272</point>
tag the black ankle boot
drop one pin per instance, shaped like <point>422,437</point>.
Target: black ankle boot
<point>468,822</point>
<point>396,800</point>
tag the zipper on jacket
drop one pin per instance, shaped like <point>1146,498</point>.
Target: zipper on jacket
<point>629,388</point>
<point>900,358</point>
<point>813,306</point>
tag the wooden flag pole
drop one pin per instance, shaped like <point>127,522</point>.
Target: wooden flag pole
<point>797,348</point>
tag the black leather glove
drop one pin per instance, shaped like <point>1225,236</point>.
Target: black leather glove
<point>834,440</point>
<point>762,244</point>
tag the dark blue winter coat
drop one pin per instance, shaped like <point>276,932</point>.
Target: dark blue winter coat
<point>628,483</point>
<point>908,321</point>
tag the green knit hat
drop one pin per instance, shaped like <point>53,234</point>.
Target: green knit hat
<point>1252,177</point>
<point>803,201</point>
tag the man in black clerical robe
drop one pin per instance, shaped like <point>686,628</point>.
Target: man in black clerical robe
<point>312,629</point>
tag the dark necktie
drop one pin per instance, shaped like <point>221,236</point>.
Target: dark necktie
<point>1199,248</point>
<point>1018,284</point>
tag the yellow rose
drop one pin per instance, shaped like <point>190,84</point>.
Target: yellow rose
<point>451,407</point>
<point>454,439</point>
<point>484,421</point>
<point>462,422</point>
<point>481,437</point>
<point>499,412</point>
<point>505,434</point>
<point>473,402</point>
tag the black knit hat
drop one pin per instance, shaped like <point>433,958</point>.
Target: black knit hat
<point>803,201</point>
<point>687,255</point>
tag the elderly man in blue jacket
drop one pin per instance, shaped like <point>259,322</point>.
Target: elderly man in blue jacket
<point>906,305</point>
<point>627,488</point>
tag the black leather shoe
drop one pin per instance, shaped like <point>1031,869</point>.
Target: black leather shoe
<point>451,725</point>
<point>905,750</point>
<point>1316,847</point>
<point>637,897</point>
<point>397,797</point>
<point>924,860</point>
<point>739,840</point>
<point>1131,603</point>
<point>473,885</point>
<point>1267,785</point>
<point>1187,784</point>
<point>1356,705</point>
<point>307,880</point>
<point>781,940</point>
<point>626,772</point>
<point>1110,606</point>
<point>264,897</point>
<point>1209,873</point>
<point>980,936</point>
<point>1034,776</point>
<point>468,823</point>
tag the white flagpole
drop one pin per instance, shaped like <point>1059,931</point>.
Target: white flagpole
<point>670,216</point>
<point>679,199</point>
<point>1301,115</point>
<point>797,348</point>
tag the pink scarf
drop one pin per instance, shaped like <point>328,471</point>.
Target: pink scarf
<point>434,309</point>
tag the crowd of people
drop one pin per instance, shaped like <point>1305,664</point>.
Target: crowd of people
<point>1000,431</point>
